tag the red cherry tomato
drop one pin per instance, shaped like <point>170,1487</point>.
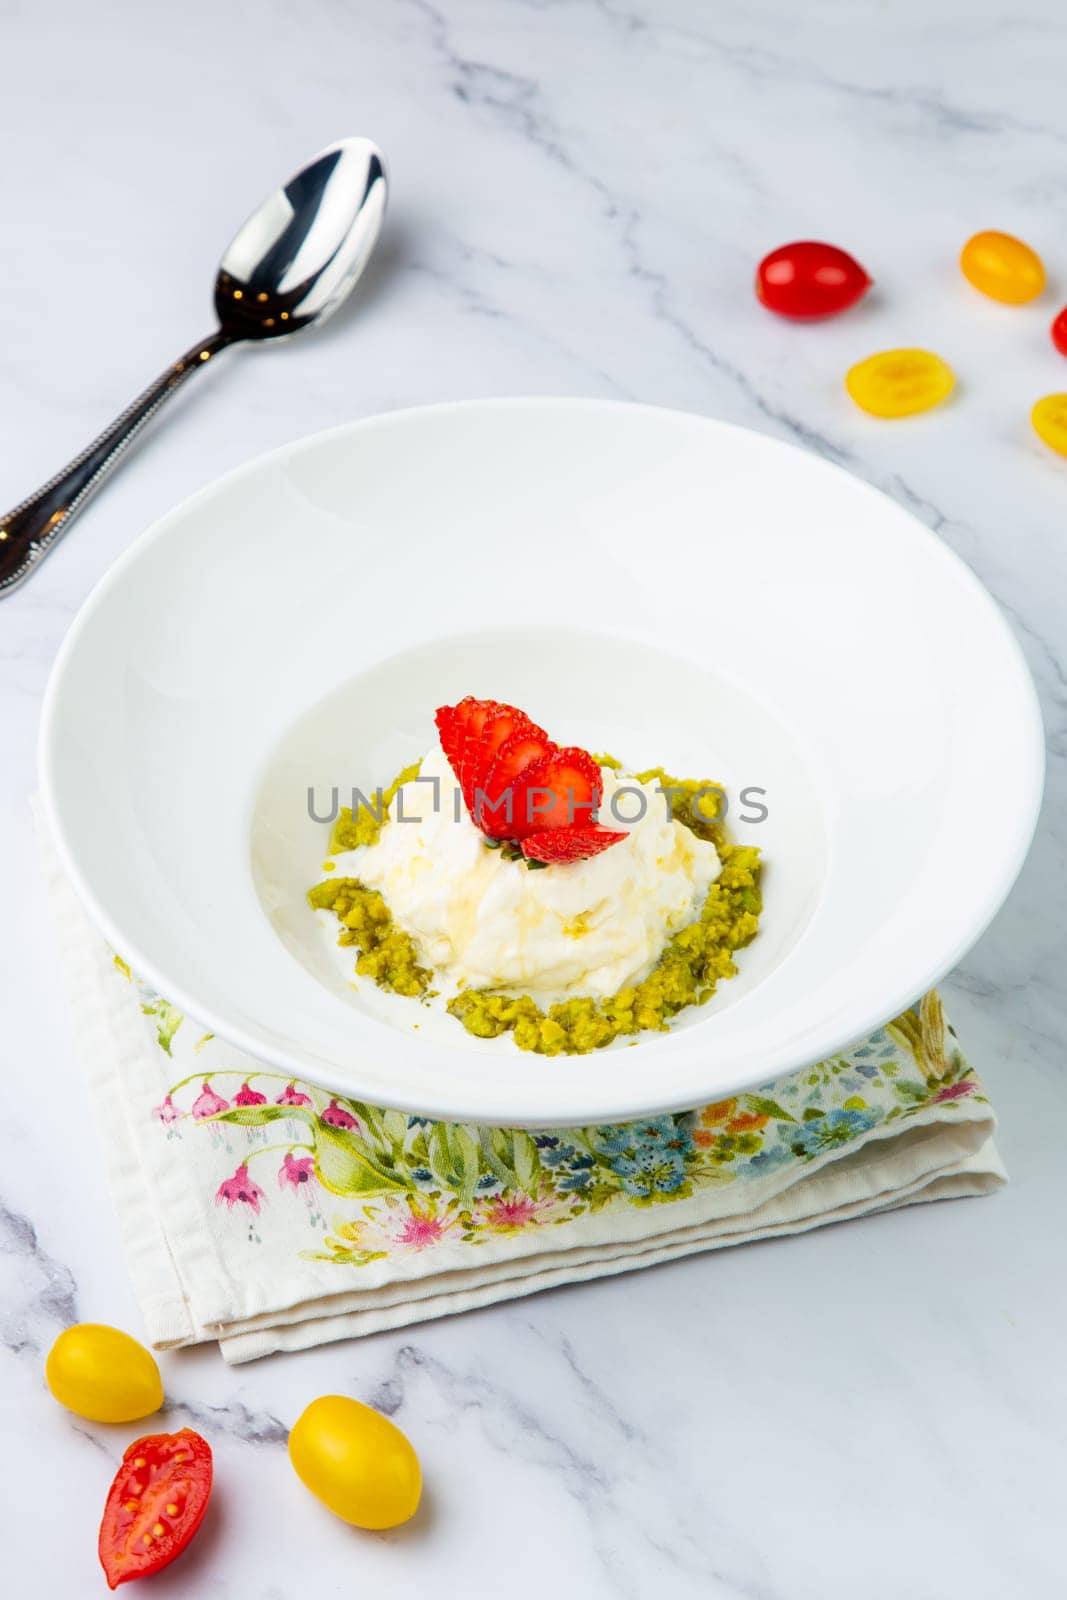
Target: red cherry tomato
<point>1059,332</point>
<point>155,1504</point>
<point>809,280</point>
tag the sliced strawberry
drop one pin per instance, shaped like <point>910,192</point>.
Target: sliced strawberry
<point>450,731</point>
<point>479,715</point>
<point>452,722</point>
<point>568,844</point>
<point>569,785</point>
<point>460,728</point>
<point>494,748</point>
<point>521,750</point>
<point>499,727</point>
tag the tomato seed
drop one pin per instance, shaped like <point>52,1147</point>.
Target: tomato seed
<point>172,1511</point>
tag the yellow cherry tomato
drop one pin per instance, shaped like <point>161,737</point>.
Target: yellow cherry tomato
<point>102,1374</point>
<point>356,1462</point>
<point>897,383</point>
<point>1002,267</point>
<point>1049,418</point>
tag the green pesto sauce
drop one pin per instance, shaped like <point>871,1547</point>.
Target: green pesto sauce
<point>687,973</point>
<point>386,953</point>
<point>351,831</point>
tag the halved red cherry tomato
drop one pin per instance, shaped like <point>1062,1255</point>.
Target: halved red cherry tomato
<point>1059,332</point>
<point>155,1504</point>
<point>807,280</point>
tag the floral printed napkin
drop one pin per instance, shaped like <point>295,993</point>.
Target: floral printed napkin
<point>270,1215</point>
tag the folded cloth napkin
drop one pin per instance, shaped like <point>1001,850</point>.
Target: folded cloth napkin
<point>268,1214</point>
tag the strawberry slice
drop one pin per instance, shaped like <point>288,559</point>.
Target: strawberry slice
<point>452,723</point>
<point>568,844</point>
<point>499,728</point>
<point>479,715</point>
<point>451,730</point>
<point>460,729</point>
<point>569,783</point>
<point>519,751</point>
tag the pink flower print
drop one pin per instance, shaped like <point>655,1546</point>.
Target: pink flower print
<point>296,1170</point>
<point>247,1096</point>
<point>415,1224</point>
<point>336,1116</point>
<point>421,1229</point>
<point>166,1111</point>
<point>240,1190</point>
<point>292,1096</point>
<point>508,1213</point>
<point>955,1091</point>
<point>208,1103</point>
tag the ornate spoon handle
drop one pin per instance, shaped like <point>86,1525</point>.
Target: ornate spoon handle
<point>29,532</point>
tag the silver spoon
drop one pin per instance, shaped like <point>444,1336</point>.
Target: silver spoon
<point>290,266</point>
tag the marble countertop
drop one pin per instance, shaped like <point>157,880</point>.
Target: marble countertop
<point>581,190</point>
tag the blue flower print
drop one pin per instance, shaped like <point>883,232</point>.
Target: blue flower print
<point>836,1128</point>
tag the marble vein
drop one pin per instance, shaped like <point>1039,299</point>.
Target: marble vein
<point>47,1292</point>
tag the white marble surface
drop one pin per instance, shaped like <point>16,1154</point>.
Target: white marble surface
<point>581,191</point>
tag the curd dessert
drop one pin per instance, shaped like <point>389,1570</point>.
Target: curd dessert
<point>536,890</point>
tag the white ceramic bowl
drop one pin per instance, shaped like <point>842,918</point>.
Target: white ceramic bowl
<point>677,591</point>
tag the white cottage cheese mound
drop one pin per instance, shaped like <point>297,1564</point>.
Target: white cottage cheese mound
<point>483,922</point>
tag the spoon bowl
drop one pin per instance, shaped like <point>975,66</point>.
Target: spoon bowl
<point>302,252</point>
